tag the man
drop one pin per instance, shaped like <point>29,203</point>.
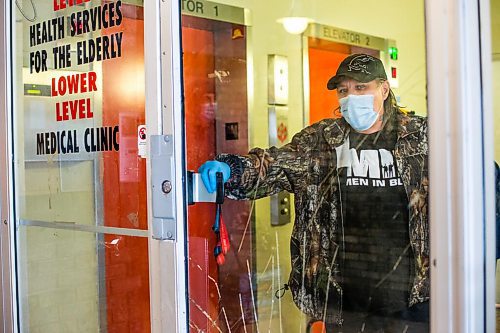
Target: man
<point>360,243</point>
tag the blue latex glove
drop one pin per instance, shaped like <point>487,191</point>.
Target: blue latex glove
<point>208,171</point>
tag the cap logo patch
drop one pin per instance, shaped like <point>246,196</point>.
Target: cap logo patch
<point>360,64</point>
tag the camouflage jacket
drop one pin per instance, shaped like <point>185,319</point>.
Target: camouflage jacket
<point>307,168</point>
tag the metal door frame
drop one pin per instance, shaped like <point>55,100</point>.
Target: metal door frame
<point>461,181</point>
<point>168,265</point>
<point>7,246</point>
<point>459,80</point>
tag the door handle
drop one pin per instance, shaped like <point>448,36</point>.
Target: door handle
<point>197,192</point>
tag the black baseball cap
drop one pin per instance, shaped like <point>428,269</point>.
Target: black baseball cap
<point>360,67</point>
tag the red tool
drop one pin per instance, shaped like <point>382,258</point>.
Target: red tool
<point>219,227</point>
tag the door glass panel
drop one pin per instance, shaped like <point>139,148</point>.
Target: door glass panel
<point>495,39</point>
<point>330,226</point>
<point>80,177</point>
<point>74,281</point>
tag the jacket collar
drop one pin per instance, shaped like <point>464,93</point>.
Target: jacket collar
<point>336,132</point>
<point>406,126</point>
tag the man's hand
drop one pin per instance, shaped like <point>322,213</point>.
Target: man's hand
<point>208,171</point>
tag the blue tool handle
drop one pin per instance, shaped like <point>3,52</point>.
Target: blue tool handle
<point>216,226</point>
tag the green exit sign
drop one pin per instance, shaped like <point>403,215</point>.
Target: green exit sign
<point>393,53</point>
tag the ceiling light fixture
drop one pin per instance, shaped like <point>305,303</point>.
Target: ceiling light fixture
<point>296,22</point>
<point>295,25</point>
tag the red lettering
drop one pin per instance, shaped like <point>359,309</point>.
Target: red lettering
<point>81,109</point>
<point>61,86</point>
<point>73,108</point>
<point>76,109</point>
<point>65,111</point>
<point>61,4</point>
<point>53,85</point>
<point>62,111</point>
<point>58,112</point>
<point>83,84</point>
<point>90,114</point>
<point>74,84</point>
<point>92,79</point>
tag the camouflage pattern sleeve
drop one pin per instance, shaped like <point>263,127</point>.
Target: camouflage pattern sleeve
<point>264,172</point>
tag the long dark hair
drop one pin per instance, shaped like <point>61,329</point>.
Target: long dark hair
<point>391,111</point>
<point>391,106</point>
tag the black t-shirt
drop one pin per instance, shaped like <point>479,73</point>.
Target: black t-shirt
<point>375,263</point>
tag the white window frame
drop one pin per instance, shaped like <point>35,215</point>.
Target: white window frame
<point>168,264</point>
<point>8,295</point>
<point>461,180</point>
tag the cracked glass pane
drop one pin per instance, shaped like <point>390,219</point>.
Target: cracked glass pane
<point>314,116</point>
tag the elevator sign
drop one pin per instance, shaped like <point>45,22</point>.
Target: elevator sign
<point>213,11</point>
<point>344,36</point>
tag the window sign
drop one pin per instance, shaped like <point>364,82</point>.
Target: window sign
<point>68,46</point>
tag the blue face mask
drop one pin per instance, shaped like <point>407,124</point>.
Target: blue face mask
<point>358,111</point>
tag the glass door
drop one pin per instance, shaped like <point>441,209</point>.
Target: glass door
<point>300,256</point>
<point>339,232</point>
<point>215,86</point>
<point>79,166</point>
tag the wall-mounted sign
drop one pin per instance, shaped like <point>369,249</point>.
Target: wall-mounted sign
<point>278,125</point>
<point>142,141</point>
<point>213,11</point>
<point>282,132</point>
<point>345,36</point>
